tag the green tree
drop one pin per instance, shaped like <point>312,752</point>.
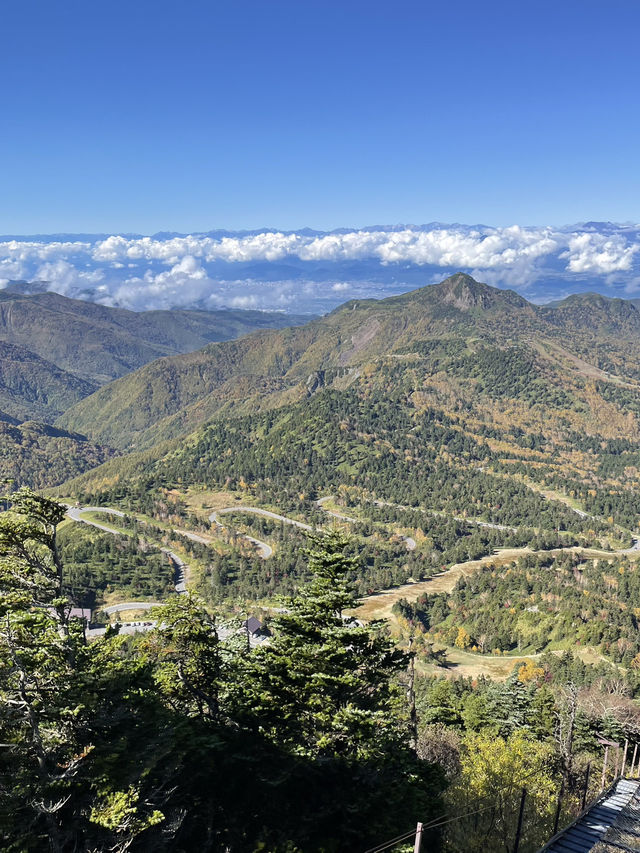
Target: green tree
<point>43,714</point>
<point>323,685</point>
<point>324,691</point>
<point>493,772</point>
<point>63,712</point>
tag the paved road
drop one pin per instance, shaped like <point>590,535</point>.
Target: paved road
<point>635,547</point>
<point>195,537</point>
<point>321,503</point>
<point>264,550</point>
<point>75,513</point>
<point>409,541</point>
<point>125,628</point>
<point>257,511</point>
<point>182,569</point>
<point>130,605</point>
<point>488,524</point>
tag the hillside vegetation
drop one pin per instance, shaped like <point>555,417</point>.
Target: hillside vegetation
<point>40,455</point>
<point>100,343</point>
<point>449,342</point>
<point>32,387</point>
<point>54,350</point>
<point>483,457</point>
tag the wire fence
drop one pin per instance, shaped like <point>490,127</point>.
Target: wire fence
<point>524,826</point>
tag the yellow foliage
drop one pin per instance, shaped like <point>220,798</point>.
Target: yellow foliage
<point>494,770</point>
<point>529,671</point>
<point>463,639</point>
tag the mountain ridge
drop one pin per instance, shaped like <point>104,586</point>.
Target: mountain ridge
<point>101,343</point>
<point>57,350</point>
<point>268,368</point>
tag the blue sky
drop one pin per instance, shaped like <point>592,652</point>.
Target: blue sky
<point>139,117</point>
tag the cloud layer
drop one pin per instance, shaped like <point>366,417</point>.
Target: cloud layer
<point>313,271</point>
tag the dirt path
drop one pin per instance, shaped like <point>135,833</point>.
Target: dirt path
<point>379,604</point>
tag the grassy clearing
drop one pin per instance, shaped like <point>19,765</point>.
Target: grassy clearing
<point>472,665</point>
<point>497,667</point>
<point>107,520</point>
<point>133,615</point>
<point>211,501</point>
<point>379,605</point>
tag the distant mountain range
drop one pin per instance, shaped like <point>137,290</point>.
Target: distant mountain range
<point>310,271</point>
<point>576,365</point>
<point>54,351</point>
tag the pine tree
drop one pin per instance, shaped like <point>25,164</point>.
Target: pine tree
<point>324,691</point>
<point>59,702</point>
<point>42,717</point>
<point>323,686</point>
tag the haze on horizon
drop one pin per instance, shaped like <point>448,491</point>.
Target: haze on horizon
<point>305,271</point>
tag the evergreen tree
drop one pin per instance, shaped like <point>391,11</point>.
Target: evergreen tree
<point>324,690</point>
<point>323,686</point>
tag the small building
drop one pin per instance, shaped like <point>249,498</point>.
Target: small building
<point>253,627</point>
<point>80,613</point>
<point>74,613</point>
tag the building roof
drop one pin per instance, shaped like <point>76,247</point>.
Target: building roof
<point>80,613</point>
<point>610,825</point>
<point>252,625</point>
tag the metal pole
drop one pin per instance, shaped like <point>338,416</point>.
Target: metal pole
<point>516,843</point>
<point>556,820</point>
<point>418,844</point>
<point>586,787</point>
<point>411,696</point>
<point>633,760</point>
<point>604,767</point>
<point>624,756</point>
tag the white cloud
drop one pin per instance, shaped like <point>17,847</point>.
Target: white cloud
<point>596,253</point>
<point>187,270</point>
<point>67,279</point>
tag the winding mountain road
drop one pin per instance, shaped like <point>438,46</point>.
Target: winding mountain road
<point>321,503</point>
<point>409,541</point>
<point>75,513</point>
<point>130,605</point>
<point>379,602</point>
<point>264,550</point>
<point>266,513</point>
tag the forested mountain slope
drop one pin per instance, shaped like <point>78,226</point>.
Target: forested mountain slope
<point>452,331</point>
<point>458,417</point>
<point>99,343</point>
<point>40,455</point>
<point>54,351</point>
<point>34,387</point>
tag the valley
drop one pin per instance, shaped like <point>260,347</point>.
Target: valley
<point>435,427</point>
<point>470,461</point>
